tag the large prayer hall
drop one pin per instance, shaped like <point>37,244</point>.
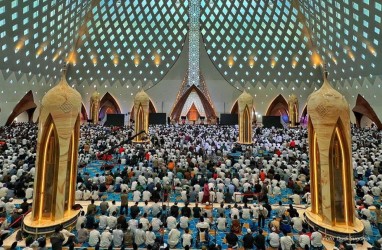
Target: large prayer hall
<point>190,124</point>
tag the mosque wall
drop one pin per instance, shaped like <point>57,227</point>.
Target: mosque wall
<point>365,122</point>
<point>23,117</point>
<point>15,85</point>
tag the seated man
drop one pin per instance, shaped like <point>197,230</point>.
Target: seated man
<point>231,239</point>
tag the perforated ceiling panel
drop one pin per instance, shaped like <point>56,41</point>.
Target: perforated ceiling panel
<point>35,35</point>
<point>131,41</point>
<point>136,42</point>
<point>257,41</point>
<point>125,41</point>
<point>347,34</point>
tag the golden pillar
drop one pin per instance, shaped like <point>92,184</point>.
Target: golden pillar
<point>94,107</point>
<point>57,150</point>
<point>141,115</point>
<point>331,172</point>
<point>245,103</point>
<point>293,110</point>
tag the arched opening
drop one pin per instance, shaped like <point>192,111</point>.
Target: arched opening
<point>315,171</point>
<point>140,123</point>
<point>71,169</point>
<point>108,105</point>
<point>152,109</point>
<point>193,113</point>
<point>363,108</point>
<point>279,107</point>
<point>340,176</point>
<point>27,105</point>
<point>304,116</point>
<point>247,128</point>
<point>46,188</point>
<point>84,114</point>
<point>184,104</point>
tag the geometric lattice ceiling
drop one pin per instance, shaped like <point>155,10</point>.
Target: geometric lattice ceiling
<point>138,41</point>
<point>347,34</point>
<point>251,41</point>
<point>135,40</point>
<point>128,41</point>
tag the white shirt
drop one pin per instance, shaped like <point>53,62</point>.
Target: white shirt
<point>304,240</point>
<point>150,238</point>
<point>139,236</point>
<point>146,195</point>
<point>112,222</point>
<point>113,208</point>
<point>156,223</point>
<point>183,221</point>
<point>80,220</point>
<point>187,238</point>
<point>221,223</point>
<point>145,223</point>
<point>297,223</point>
<point>173,237</point>
<point>94,237</point>
<point>274,239</point>
<point>117,237</point>
<point>296,199</point>
<point>29,193</point>
<point>102,221</point>
<point>171,222</point>
<point>219,197</point>
<point>316,239</point>
<point>286,242</point>
<point>136,196</point>
<point>78,195</point>
<point>106,239</point>
<point>133,224</point>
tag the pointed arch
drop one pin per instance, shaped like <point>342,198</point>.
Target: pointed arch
<point>84,114</point>
<point>177,110</point>
<point>279,107</point>
<point>247,128</point>
<point>108,105</point>
<point>235,108</point>
<point>304,114</point>
<point>152,109</point>
<point>340,174</point>
<point>363,108</point>
<point>26,104</point>
<point>47,161</point>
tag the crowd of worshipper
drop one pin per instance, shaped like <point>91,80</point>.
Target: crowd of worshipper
<point>217,182</point>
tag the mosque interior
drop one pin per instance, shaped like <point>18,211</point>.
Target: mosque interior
<point>193,61</point>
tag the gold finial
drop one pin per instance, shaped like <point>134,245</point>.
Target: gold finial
<point>325,71</point>
<point>63,70</point>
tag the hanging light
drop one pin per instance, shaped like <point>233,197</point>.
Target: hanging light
<point>211,3</point>
<point>177,3</point>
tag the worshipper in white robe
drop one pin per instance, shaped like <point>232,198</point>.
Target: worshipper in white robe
<point>106,238</point>
<point>136,196</point>
<point>173,237</point>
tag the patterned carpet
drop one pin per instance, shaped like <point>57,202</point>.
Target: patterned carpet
<point>95,168</point>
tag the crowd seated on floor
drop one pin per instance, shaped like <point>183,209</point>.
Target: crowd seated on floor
<point>222,194</point>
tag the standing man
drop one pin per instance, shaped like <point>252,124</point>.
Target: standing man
<point>124,203</point>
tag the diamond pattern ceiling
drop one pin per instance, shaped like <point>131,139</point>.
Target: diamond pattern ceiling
<point>251,41</point>
<point>136,42</point>
<point>347,34</point>
<point>125,41</point>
